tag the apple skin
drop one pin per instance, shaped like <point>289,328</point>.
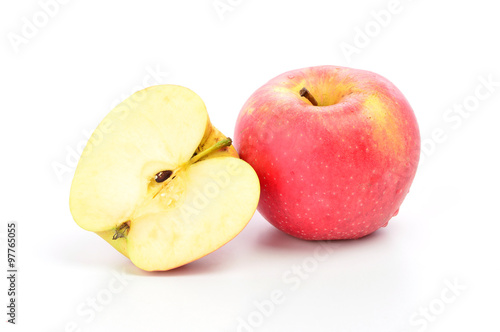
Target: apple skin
<point>339,170</point>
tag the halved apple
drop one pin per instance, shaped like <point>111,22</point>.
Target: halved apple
<point>160,183</point>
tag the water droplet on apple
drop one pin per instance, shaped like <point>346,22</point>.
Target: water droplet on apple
<point>291,76</point>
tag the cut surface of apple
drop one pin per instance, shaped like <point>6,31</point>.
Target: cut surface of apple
<point>160,183</point>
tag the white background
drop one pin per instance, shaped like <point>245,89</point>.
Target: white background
<point>62,80</point>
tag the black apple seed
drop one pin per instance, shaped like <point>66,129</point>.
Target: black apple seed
<point>162,176</point>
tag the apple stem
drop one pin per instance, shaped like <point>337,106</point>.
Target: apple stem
<point>220,144</point>
<point>305,93</point>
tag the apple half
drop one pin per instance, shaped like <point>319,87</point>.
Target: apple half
<point>160,183</point>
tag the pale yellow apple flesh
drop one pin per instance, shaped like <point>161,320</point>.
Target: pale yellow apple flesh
<point>208,198</point>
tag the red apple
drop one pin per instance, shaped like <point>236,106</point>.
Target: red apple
<point>336,150</point>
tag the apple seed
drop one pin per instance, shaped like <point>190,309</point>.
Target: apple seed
<point>162,176</point>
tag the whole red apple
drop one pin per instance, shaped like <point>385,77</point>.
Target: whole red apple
<point>336,150</point>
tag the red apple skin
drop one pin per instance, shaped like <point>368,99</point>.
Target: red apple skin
<point>339,170</point>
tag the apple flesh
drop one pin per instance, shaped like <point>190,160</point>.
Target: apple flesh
<point>164,187</point>
<point>336,150</point>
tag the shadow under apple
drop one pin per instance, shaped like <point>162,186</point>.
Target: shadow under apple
<point>273,239</point>
<point>205,265</point>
